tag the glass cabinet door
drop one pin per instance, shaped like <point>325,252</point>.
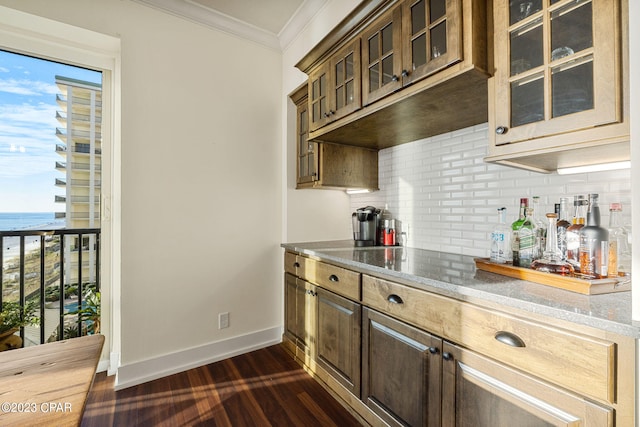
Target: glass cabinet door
<point>307,150</point>
<point>431,36</point>
<point>381,57</point>
<point>346,84</point>
<point>556,68</point>
<point>318,98</point>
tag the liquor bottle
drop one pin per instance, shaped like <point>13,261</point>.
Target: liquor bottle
<point>526,240</point>
<point>594,243</point>
<point>551,261</point>
<point>541,229</point>
<point>619,248</point>
<point>515,226</point>
<point>562,225</point>
<point>573,232</point>
<point>501,240</point>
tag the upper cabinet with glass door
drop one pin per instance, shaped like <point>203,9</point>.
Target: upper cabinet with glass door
<point>558,72</point>
<point>335,87</point>
<point>409,42</point>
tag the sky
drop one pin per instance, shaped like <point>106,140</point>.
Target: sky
<point>27,131</point>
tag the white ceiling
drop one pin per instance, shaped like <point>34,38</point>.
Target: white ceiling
<point>269,22</point>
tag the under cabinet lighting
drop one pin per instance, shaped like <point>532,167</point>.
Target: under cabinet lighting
<point>595,168</point>
<point>357,190</point>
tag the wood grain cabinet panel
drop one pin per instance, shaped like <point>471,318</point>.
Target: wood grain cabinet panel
<point>402,372</point>
<point>336,279</point>
<point>338,340</point>
<point>478,391</point>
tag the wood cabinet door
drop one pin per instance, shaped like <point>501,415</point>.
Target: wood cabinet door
<point>431,37</point>
<point>557,67</point>
<point>319,97</point>
<point>290,307</point>
<point>481,392</point>
<point>382,57</point>
<point>346,84</point>
<point>401,371</point>
<point>338,339</point>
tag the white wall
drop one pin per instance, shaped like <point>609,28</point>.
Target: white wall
<point>201,179</point>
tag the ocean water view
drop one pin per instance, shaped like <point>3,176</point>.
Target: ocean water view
<point>11,221</point>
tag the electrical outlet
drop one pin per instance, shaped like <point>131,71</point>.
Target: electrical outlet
<point>223,320</point>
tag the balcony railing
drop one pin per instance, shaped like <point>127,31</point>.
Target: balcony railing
<point>52,269</point>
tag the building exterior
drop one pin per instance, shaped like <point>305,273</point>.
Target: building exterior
<point>80,116</point>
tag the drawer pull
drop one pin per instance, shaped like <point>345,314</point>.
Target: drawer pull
<point>296,264</point>
<point>509,339</point>
<point>394,299</point>
<point>334,278</point>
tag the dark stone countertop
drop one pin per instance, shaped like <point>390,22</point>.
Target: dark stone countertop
<point>456,276</point>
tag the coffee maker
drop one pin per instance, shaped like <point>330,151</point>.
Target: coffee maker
<point>365,226</point>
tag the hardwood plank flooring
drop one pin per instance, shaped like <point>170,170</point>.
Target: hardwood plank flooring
<point>261,388</point>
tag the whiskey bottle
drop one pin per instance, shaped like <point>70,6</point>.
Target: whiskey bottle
<point>562,225</point>
<point>594,243</point>
<point>501,240</point>
<point>573,232</point>
<point>515,226</point>
<point>551,261</point>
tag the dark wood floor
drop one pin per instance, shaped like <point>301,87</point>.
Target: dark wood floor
<point>262,388</point>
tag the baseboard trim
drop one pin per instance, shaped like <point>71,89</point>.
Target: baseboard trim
<point>169,364</point>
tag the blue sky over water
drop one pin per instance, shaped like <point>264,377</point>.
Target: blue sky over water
<point>27,131</point>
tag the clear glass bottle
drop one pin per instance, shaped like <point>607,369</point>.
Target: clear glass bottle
<point>594,243</point>
<point>541,228</point>
<point>551,261</point>
<point>573,232</point>
<point>619,243</point>
<point>515,226</point>
<point>562,225</point>
<point>501,240</point>
<point>526,236</point>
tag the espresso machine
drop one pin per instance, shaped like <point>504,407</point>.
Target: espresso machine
<point>365,226</point>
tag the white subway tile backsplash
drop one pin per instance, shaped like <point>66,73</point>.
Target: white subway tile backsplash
<point>446,198</point>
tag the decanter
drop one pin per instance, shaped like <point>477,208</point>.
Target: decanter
<point>551,261</point>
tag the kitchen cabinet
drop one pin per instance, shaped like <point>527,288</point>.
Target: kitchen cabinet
<point>330,166</point>
<point>402,371</point>
<point>420,59</point>
<point>431,359</point>
<point>338,339</point>
<point>300,315</point>
<point>559,97</point>
<point>334,86</point>
<point>409,42</point>
<point>478,391</point>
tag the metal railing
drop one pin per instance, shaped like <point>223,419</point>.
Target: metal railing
<point>54,269</point>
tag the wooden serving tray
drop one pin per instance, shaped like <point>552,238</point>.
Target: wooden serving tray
<point>573,284</point>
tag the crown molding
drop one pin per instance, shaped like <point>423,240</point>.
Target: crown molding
<point>200,14</point>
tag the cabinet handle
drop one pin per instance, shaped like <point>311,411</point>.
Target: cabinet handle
<point>509,339</point>
<point>334,278</point>
<point>405,73</point>
<point>433,350</point>
<point>501,130</point>
<point>395,78</point>
<point>296,264</point>
<point>447,356</point>
<point>394,299</point>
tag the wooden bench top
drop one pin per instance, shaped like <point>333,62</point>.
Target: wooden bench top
<point>48,384</point>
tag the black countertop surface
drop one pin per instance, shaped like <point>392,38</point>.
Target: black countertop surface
<point>456,276</point>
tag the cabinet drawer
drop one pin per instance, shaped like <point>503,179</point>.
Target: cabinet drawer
<point>337,279</point>
<point>577,362</point>
<point>291,263</point>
